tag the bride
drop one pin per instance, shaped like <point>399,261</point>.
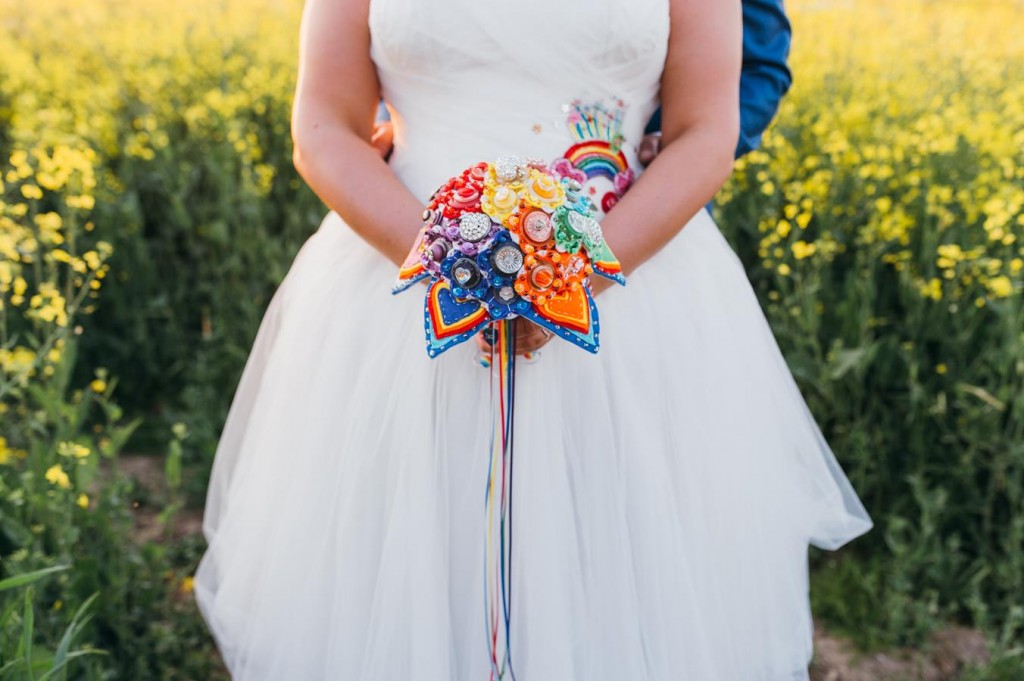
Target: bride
<point>666,488</point>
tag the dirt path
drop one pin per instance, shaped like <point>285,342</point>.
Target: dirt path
<point>949,651</point>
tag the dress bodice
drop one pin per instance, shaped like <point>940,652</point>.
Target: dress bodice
<point>471,80</point>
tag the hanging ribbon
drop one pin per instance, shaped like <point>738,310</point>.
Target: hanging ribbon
<point>501,241</point>
<point>498,502</point>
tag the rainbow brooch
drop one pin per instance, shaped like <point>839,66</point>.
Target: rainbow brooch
<point>506,239</point>
<point>596,159</point>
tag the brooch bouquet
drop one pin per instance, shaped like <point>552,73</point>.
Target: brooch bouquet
<point>510,238</point>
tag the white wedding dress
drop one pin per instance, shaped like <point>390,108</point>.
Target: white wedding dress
<point>666,488</point>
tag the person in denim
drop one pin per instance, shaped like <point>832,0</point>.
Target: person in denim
<point>765,78</point>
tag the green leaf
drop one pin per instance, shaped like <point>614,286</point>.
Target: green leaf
<point>76,624</point>
<point>68,355</point>
<point>983,395</point>
<point>172,467</point>
<point>7,616</point>
<point>10,667</point>
<point>28,628</point>
<point>72,655</point>
<point>119,436</point>
<point>853,359</point>
<point>29,577</point>
<point>15,532</point>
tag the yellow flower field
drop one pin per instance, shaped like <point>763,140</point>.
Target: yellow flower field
<point>908,119</point>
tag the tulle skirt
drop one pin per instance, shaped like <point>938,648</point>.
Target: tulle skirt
<point>665,489</point>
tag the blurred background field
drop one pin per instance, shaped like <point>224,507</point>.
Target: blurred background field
<point>148,208</point>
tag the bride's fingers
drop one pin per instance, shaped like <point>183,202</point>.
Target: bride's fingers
<point>650,145</point>
<point>530,337</point>
<point>383,138</point>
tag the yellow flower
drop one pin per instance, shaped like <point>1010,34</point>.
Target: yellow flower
<point>187,584</point>
<point>784,270</point>
<point>19,158</point>
<point>933,289</point>
<point>802,249</point>
<point>73,449</point>
<point>941,368</point>
<point>98,385</point>
<point>92,259</point>
<point>49,225</point>
<point>18,362</point>
<point>951,251</point>
<point>1000,287</point>
<point>180,430</point>
<point>31,191</point>
<point>5,451</point>
<point>56,475</point>
<point>49,305</point>
<point>85,202</point>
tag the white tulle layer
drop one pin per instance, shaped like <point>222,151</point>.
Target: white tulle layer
<point>666,489</point>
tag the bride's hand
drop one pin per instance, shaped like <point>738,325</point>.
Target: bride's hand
<point>383,138</point>
<point>598,284</point>
<point>650,145</point>
<point>530,337</point>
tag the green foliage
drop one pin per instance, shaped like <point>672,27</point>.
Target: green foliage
<point>80,597</point>
<point>20,658</point>
<point>200,250</point>
<point>65,506</point>
<point>884,239</point>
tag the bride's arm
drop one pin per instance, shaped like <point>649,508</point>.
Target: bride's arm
<point>700,127</point>
<point>336,98</point>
